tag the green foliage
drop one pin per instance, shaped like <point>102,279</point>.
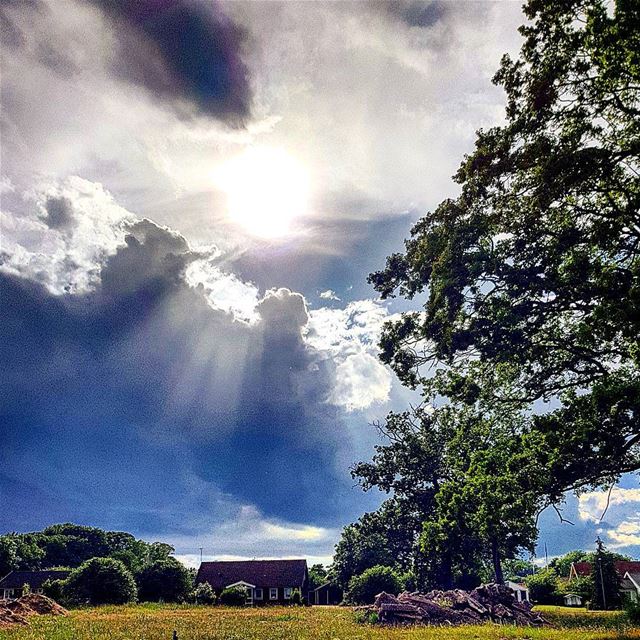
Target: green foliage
<point>296,598</point>
<point>100,581</point>
<point>463,485</point>
<point>606,582</point>
<point>318,575</point>
<point>543,587</point>
<point>54,589</point>
<point>632,611</point>
<point>365,587</point>
<point>517,569</point>
<point>233,597</point>
<point>204,594</point>
<point>366,617</point>
<point>530,279</point>
<point>582,586</point>
<point>69,545</point>
<point>165,580</point>
<point>387,537</point>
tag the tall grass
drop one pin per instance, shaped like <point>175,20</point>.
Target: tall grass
<point>157,622</point>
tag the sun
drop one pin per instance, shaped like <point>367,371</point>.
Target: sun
<point>266,189</point>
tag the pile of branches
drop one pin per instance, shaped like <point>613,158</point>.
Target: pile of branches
<point>34,604</point>
<point>487,603</point>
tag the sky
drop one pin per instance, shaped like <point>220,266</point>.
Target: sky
<point>192,195</point>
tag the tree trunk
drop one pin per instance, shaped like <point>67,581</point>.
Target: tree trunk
<point>497,563</point>
<point>447,572</point>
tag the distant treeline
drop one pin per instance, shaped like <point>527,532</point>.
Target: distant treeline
<point>69,545</point>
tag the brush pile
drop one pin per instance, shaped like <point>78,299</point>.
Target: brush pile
<point>487,603</point>
<point>33,604</point>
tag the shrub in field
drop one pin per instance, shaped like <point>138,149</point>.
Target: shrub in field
<point>54,589</point>
<point>167,580</point>
<point>204,594</point>
<point>543,587</point>
<point>632,609</point>
<point>365,587</point>
<point>233,597</point>
<point>100,581</point>
<point>296,598</point>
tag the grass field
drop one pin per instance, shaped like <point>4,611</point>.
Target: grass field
<point>157,622</point>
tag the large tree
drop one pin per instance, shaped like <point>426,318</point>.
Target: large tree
<point>463,482</point>
<point>531,277</point>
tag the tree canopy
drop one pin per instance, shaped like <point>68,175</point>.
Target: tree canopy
<point>69,545</point>
<point>531,277</point>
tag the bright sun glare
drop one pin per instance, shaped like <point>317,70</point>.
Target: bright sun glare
<point>266,190</point>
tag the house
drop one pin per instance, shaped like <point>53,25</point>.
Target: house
<point>583,569</point>
<point>264,581</point>
<point>628,572</point>
<point>326,594</point>
<point>11,585</point>
<point>630,586</point>
<point>572,600</point>
<point>520,591</point>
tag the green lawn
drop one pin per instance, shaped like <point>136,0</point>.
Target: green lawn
<point>157,622</point>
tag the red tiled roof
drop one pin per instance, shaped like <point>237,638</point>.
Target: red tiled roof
<point>622,566</point>
<point>260,573</point>
<point>583,569</point>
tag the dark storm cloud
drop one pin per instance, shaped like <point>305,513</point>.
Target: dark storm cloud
<point>139,401</point>
<point>418,13</point>
<point>183,50</point>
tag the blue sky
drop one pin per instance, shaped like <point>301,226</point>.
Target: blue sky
<point>193,194</point>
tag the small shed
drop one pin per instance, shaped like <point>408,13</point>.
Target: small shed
<point>326,594</point>
<point>572,600</point>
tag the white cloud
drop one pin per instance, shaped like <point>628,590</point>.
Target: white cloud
<point>248,534</point>
<point>361,381</point>
<point>329,294</point>
<point>625,534</point>
<point>350,336</point>
<point>224,291</point>
<point>65,258</point>
<point>592,505</point>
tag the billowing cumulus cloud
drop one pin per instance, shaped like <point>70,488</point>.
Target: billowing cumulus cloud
<point>349,336</point>
<point>164,392</point>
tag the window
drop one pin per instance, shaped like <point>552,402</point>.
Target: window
<point>8,593</point>
<point>287,593</point>
<point>257,594</point>
<point>273,593</point>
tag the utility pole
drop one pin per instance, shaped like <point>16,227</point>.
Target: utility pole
<point>599,560</point>
<point>200,555</point>
<point>546,555</point>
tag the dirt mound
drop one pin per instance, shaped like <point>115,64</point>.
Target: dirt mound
<point>9,618</point>
<point>40,605</point>
<point>17,611</point>
<point>488,603</point>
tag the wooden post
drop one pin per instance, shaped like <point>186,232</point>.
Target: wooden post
<point>175,635</point>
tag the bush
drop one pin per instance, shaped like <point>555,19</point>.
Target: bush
<point>296,598</point>
<point>100,581</point>
<point>54,589</point>
<point>233,597</point>
<point>204,594</point>
<point>364,588</point>
<point>543,587</point>
<point>632,609</point>
<point>167,580</point>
